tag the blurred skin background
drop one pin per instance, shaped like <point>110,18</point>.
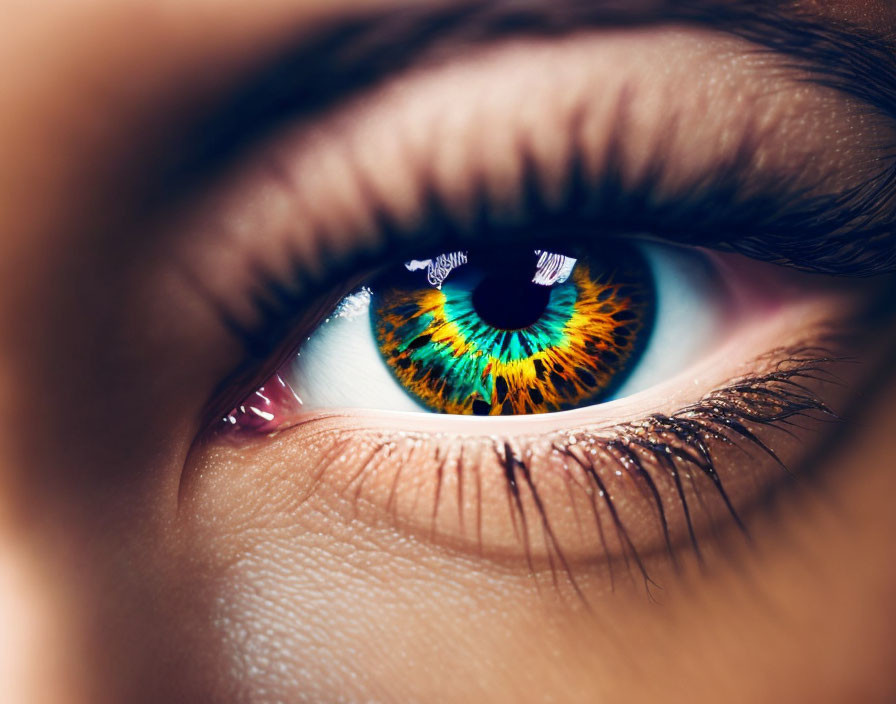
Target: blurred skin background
<point>142,559</point>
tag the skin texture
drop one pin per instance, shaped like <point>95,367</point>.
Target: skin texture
<point>116,586</point>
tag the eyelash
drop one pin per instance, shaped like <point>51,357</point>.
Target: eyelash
<point>795,229</point>
<point>725,208</point>
<point>681,441</point>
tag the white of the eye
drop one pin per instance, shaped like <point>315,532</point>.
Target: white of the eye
<point>689,316</point>
<point>340,366</point>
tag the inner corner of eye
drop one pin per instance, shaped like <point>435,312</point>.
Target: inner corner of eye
<point>507,331</point>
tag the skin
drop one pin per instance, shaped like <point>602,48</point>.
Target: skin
<point>113,590</point>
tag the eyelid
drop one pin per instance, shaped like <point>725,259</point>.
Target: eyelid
<point>376,466</point>
<point>315,194</point>
<point>355,52</point>
<point>297,216</point>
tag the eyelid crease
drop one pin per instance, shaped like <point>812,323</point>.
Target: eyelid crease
<point>353,54</point>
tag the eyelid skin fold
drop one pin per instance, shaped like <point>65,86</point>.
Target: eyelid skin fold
<point>357,52</point>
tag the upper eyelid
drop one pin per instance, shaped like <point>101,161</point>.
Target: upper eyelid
<point>355,53</point>
<point>362,135</point>
<point>285,113</point>
<point>279,248</point>
<point>266,282</point>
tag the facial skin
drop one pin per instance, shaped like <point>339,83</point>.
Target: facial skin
<point>137,564</point>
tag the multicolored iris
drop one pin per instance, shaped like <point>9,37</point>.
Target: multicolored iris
<point>532,334</point>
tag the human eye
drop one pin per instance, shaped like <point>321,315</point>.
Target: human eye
<point>498,333</point>
<point>655,303</point>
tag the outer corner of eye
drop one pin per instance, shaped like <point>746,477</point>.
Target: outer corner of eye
<point>690,318</point>
<point>514,332</point>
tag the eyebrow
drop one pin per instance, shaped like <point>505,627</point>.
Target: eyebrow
<point>346,56</point>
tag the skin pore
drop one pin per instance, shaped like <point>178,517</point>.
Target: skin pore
<point>121,581</point>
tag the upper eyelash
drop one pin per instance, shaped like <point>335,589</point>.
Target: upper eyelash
<point>673,445</point>
<point>845,234</point>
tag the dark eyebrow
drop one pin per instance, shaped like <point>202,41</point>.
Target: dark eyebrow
<point>340,59</point>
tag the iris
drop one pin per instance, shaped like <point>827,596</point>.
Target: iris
<point>513,334</point>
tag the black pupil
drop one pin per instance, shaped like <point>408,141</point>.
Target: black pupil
<point>510,302</point>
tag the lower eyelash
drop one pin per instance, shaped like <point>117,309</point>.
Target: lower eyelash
<point>678,452</point>
<point>674,444</point>
<point>681,441</point>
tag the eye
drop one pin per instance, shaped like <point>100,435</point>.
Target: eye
<point>512,332</point>
<point>634,396</point>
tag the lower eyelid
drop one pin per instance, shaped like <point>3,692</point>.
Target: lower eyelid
<point>534,499</point>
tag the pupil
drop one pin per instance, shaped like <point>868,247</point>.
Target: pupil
<point>510,303</point>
